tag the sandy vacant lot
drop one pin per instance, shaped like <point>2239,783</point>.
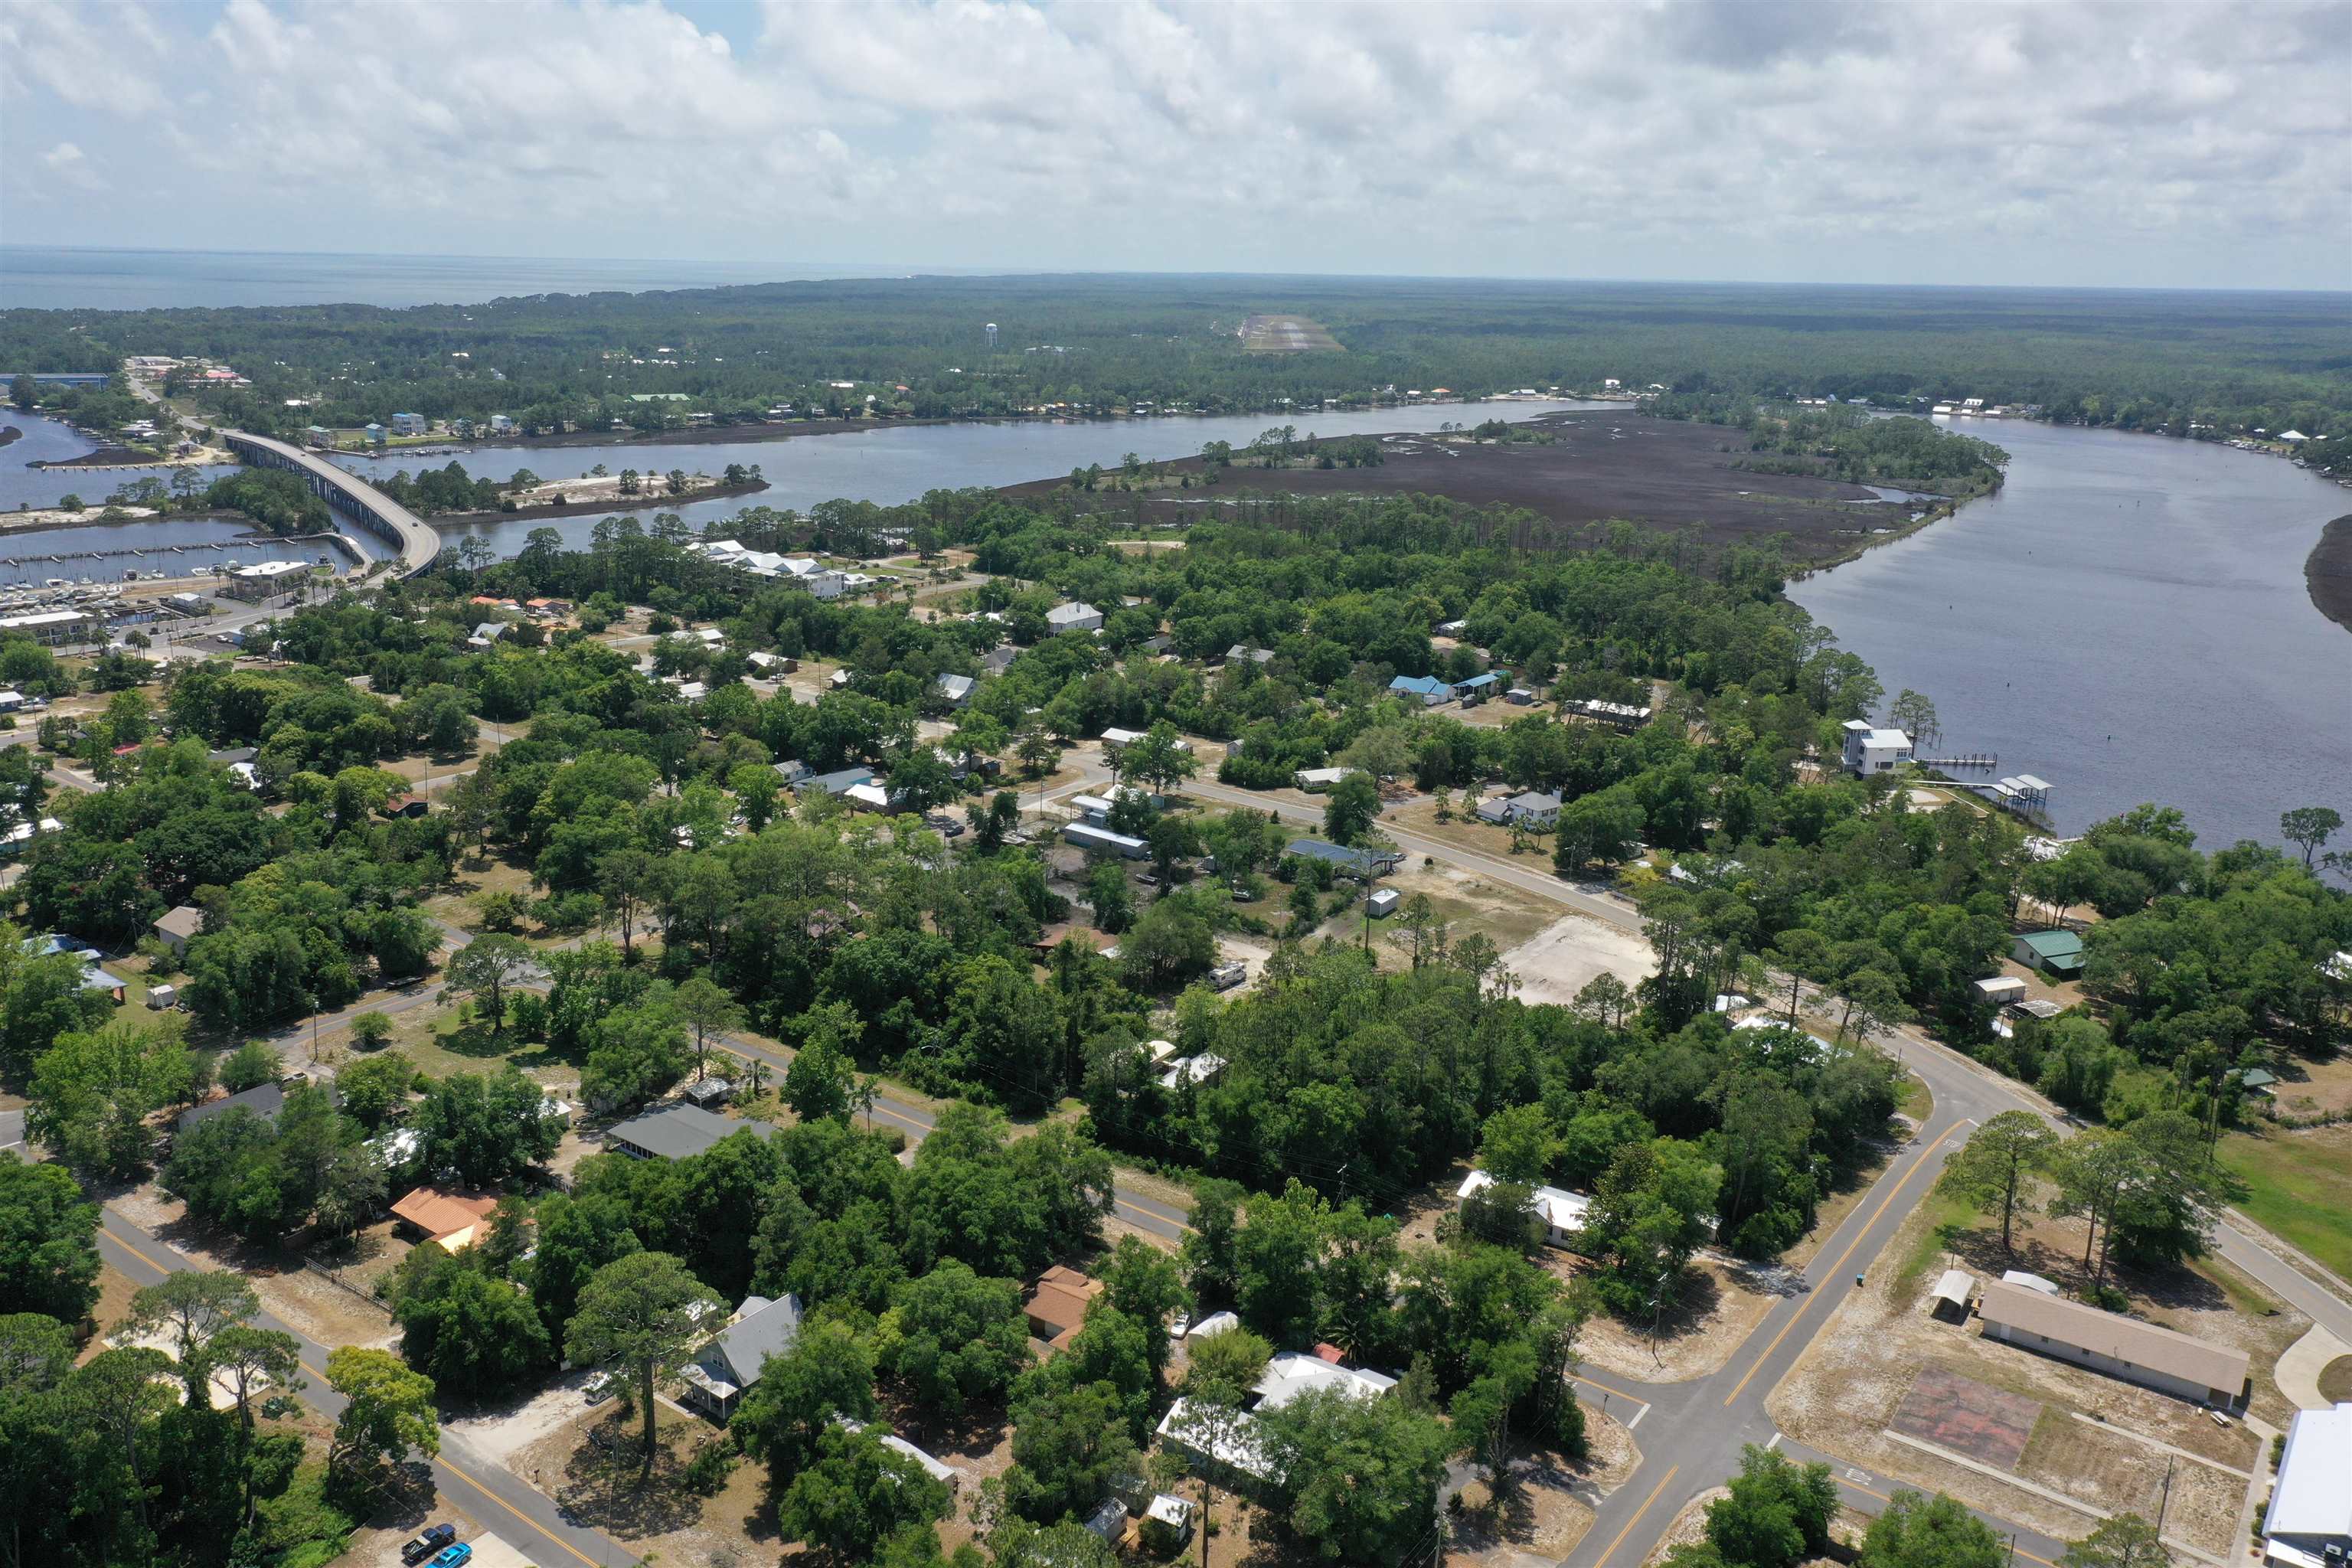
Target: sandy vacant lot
<point>1561,960</point>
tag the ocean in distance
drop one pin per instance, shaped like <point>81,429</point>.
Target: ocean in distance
<point>53,278</point>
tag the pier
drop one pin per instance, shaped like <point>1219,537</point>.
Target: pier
<point>1985,761</point>
<point>370,507</point>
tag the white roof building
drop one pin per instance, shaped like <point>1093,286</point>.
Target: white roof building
<point>2309,1524</point>
<point>1562,1210</point>
<point>1078,616</point>
<point>1193,1070</point>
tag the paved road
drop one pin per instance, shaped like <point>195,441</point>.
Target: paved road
<point>485,1488</point>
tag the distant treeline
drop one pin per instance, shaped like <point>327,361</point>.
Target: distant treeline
<point>2188,362</point>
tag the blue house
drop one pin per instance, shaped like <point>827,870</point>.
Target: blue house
<point>1428,688</point>
<point>408,424</point>
<point>1478,687</point>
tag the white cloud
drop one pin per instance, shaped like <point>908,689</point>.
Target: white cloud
<point>2099,143</point>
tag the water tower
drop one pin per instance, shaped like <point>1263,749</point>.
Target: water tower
<point>991,334</point>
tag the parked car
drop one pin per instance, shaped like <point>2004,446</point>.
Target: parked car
<point>457,1556</point>
<point>433,1539</point>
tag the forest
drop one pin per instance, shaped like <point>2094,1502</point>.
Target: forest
<point>880,948</point>
<point>2221,363</point>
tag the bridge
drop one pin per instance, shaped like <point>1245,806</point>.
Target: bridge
<point>370,507</point>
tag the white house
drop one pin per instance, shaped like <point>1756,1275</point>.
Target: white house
<point>1239,1450</point>
<point>1315,781</point>
<point>956,689</point>
<point>1869,750</point>
<point>1078,616</point>
<point>715,1380</point>
<point>1192,1069</point>
<point>1562,1210</point>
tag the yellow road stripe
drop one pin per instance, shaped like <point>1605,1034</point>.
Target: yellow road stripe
<point>1596,1382</point>
<point>1838,1267</point>
<point>1637,1516</point>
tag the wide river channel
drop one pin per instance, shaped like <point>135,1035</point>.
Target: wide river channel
<point>2126,618</point>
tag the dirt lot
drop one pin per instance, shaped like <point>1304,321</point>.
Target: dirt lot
<point>310,1301</point>
<point>1567,955</point>
<point>1884,1363</point>
<point>590,1465</point>
<point>1605,465</point>
<point>1468,904</point>
<point>1723,1299</point>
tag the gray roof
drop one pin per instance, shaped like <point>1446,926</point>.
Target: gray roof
<point>762,1328</point>
<point>1340,855</point>
<point>954,686</point>
<point>265,1100</point>
<point>834,783</point>
<point>674,1131</point>
<point>183,921</point>
<point>1535,800</point>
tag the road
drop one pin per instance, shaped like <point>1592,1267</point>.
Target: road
<point>486,1490</point>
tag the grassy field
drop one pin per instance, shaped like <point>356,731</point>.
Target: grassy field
<point>2300,1186</point>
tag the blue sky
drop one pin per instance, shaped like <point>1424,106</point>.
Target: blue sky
<point>2099,144</point>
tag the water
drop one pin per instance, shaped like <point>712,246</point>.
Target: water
<point>2126,619</point>
<point>896,464</point>
<point>58,278</point>
<point>46,440</point>
<point>99,553</point>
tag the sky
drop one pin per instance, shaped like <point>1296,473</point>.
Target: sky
<point>2106,144</point>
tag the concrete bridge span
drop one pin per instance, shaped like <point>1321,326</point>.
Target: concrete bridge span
<point>370,507</point>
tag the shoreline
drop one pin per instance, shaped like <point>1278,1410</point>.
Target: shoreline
<point>2328,572</point>
<point>591,507</point>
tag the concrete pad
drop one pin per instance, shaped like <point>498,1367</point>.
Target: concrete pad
<point>490,1552</point>
<point>2300,1364</point>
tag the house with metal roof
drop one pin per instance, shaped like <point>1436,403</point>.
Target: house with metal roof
<point>833,782</point>
<point>2145,1354</point>
<point>956,689</point>
<point>2309,1524</point>
<point>1533,809</point>
<point>265,1100</point>
<point>1351,862</point>
<point>1478,687</point>
<point>1562,1210</point>
<point>733,1360</point>
<point>2055,953</point>
<point>1077,615</point>
<point>1427,688</point>
<point>674,1131</point>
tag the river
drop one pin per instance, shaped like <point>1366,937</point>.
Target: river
<point>895,464</point>
<point>2126,618</point>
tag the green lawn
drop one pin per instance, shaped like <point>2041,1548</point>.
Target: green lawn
<point>2300,1186</point>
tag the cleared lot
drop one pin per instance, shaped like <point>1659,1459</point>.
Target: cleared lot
<point>1568,954</point>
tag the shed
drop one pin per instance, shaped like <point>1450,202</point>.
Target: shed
<point>1103,841</point>
<point>1210,1327</point>
<point>1382,902</point>
<point>2055,953</point>
<point>1950,1299</point>
<point>1998,990</point>
<point>1167,1524</point>
<point>706,1092</point>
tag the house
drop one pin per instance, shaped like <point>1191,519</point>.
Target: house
<point>1239,1452</point>
<point>264,1101</point>
<point>1097,840</point>
<point>833,782</point>
<point>956,689</point>
<point>1427,688</point>
<point>1869,750</point>
<point>1950,1299</point>
<point>772,664</point>
<point>1243,651</point>
<point>1383,903</point>
<point>1077,615</point>
<point>2309,1524</point>
<point>1351,862</point>
<point>867,796</point>
<point>1532,810</point>
<point>178,926</point>
<point>1478,687</point>
<point>1999,991</point>
<point>318,436</point>
<point>457,1223</point>
<point>486,634</point>
<point>408,424</point>
<point>1056,1304</point>
<point>2125,1348</point>
<point>1452,628</point>
<point>714,1381</point>
<point>1192,1069</point>
<point>375,434</point>
<point>408,806</point>
<point>2057,953</point>
<point>1315,781</point>
<point>674,1131</point>
<point>996,661</point>
<point>1563,1212</point>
